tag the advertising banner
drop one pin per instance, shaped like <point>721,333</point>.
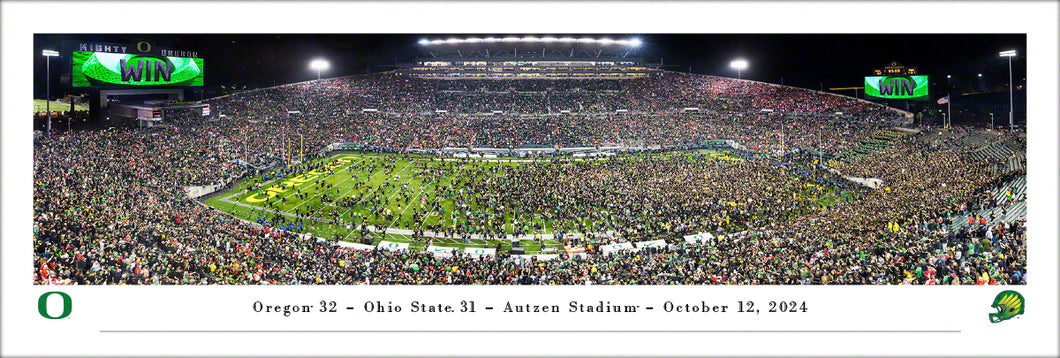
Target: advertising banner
<point>647,244</point>
<point>616,247</point>
<point>393,246</point>
<point>480,251</point>
<point>441,251</point>
<point>700,237</point>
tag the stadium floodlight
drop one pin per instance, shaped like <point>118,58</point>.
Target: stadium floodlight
<point>634,42</point>
<point>739,65</point>
<point>48,54</point>
<point>1010,54</point>
<point>948,77</point>
<point>319,65</point>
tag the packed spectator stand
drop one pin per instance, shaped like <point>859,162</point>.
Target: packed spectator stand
<point>109,206</point>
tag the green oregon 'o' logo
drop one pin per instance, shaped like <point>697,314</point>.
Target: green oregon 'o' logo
<point>42,305</point>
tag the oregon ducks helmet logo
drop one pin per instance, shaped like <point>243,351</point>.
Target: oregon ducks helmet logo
<point>1008,304</point>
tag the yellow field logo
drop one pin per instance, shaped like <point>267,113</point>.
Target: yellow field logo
<point>278,188</point>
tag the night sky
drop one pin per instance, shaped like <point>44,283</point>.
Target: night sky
<point>810,61</point>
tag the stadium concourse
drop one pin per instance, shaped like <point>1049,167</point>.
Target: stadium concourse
<point>110,206</point>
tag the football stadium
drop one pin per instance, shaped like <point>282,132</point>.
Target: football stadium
<point>523,160</point>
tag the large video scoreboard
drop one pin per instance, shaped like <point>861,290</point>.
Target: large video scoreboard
<point>897,87</point>
<point>133,65</point>
<point>100,69</point>
<point>895,81</point>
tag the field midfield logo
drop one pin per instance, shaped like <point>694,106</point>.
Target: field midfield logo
<point>1008,304</point>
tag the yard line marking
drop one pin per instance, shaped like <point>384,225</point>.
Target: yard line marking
<point>362,199</point>
<point>354,189</point>
<point>318,195</point>
<point>432,213</point>
<point>387,200</point>
<point>329,176</point>
<point>407,206</point>
<point>380,185</point>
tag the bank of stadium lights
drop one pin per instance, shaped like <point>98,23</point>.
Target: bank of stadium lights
<point>739,65</point>
<point>48,54</point>
<point>634,42</point>
<point>319,65</point>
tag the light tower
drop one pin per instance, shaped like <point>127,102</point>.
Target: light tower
<point>1010,54</point>
<point>739,65</point>
<point>319,65</point>
<point>48,54</point>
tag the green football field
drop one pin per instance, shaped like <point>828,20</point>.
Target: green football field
<point>353,175</point>
<point>40,105</point>
<point>409,198</point>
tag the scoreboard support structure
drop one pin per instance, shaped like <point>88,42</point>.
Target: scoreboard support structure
<point>98,102</point>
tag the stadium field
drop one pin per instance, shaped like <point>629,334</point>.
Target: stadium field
<point>311,201</point>
<point>352,176</point>
<point>412,202</point>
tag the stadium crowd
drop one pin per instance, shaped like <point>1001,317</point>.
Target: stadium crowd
<point>399,111</point>
<point>109,206</point>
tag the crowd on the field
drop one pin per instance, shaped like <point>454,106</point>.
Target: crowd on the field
<point>109,206</point>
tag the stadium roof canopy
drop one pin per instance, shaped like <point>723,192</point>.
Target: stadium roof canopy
<point>529,46</point>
